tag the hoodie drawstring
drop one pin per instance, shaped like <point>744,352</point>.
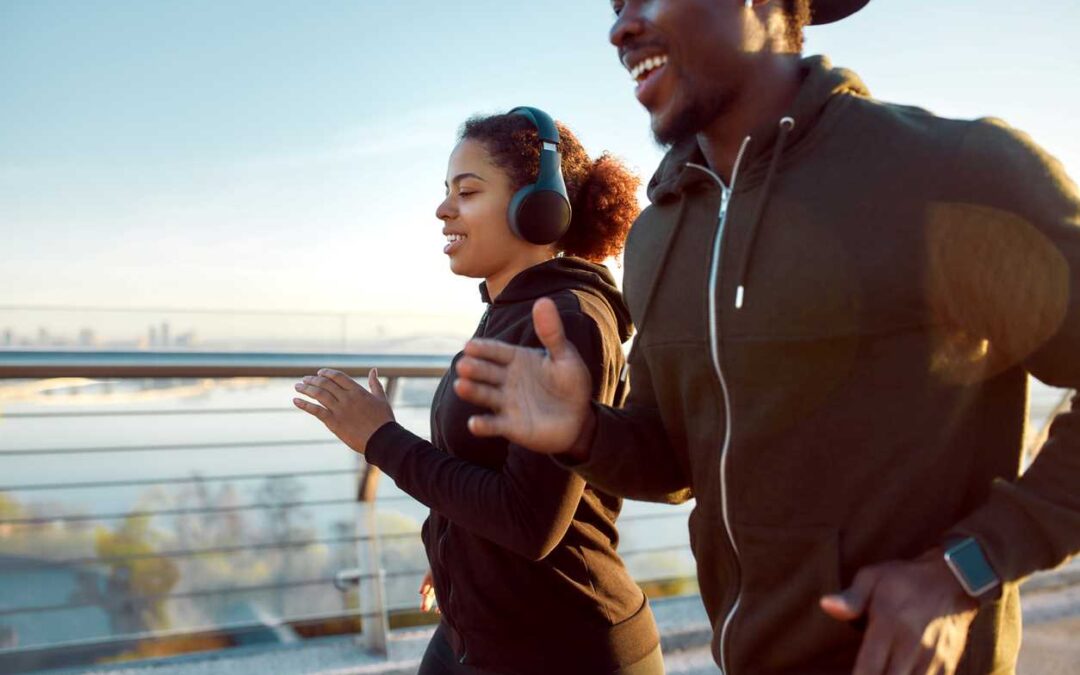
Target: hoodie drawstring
<point>786,125</point>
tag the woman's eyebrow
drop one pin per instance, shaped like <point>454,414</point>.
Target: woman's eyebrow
<point>461,176</point>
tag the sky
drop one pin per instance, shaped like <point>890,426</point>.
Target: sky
<point>289,156</point>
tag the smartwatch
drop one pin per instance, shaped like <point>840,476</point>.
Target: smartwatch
<point>969,565</point>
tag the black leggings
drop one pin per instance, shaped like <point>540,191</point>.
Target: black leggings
<point>439,659</point>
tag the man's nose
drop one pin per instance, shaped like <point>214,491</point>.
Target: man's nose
<point>626,26</point>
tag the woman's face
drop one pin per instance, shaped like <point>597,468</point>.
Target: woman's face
<point>479,241</point>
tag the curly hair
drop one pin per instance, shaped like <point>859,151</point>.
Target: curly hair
<point>798,16</point>
<point>602,192</point>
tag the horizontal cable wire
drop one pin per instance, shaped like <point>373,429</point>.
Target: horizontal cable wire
<point>171,448</point>
<point>192,553</point>
<point>183,632</point>
<point>90,517</point>
<point>656,549</point>
<point>173,481</point>
<point>154,413</point>
<point>634,517</point>
<point>205,592</point>
<point>76,518</point>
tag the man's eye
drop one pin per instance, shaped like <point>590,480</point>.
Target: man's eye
<point>465,193</point>
<point>616,7</point>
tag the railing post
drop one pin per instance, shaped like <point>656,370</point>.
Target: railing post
<point>372,588</point>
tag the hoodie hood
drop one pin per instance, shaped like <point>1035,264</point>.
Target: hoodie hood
<point>821,82</point>
<point>562,274</point>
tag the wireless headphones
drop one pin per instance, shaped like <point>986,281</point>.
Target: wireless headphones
<point>540,213</point>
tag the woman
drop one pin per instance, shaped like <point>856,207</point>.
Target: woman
<point>522,551</point>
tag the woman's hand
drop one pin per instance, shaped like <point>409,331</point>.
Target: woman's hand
<point>348,410</point>
<point>427,594</point>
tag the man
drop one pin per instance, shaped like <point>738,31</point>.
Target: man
<point>838,303</point>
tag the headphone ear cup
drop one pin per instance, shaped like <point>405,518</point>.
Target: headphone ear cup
<point>515,208</point>
<point>539,216</point>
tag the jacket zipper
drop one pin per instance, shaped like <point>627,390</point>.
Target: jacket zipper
<point>714,346</point>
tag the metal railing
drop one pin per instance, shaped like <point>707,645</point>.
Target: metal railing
<point>361,577</point>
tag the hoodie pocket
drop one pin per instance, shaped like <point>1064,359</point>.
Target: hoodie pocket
<point>779,626</point>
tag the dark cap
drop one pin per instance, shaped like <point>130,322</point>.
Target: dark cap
<point>827,11</point>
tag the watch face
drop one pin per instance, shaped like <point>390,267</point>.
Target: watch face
<point>968,561</point>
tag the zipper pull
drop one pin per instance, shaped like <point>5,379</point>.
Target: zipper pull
<point>725,199</point>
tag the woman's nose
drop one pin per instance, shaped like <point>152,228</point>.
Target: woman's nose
<point>445,209</point>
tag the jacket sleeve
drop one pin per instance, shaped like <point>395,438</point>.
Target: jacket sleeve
<point>526,507</point>
<point>631,454</point>
<point>1018,286</point>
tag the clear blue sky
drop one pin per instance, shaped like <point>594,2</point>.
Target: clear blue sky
<point>290,155</point>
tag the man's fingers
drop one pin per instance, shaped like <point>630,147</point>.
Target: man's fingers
<point>479,370</point>
<point>549,328</point>
<point>309,407</point>
<point>487,425</point>
<point>483,395</point>
<point>375,385</point>
<point>906,657</point>
<point>491,350</point>
<point>851,603</point>
<point>873,656</point>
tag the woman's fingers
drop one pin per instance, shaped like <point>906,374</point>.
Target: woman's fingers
<point>375,385</point>
<point>318,393</point>
<point>309,407</point>
<point>427,593</point>
<point>479,370</point>
<point>339,378</point>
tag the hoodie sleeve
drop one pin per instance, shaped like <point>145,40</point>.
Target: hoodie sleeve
<point>631,453</point>
<point>1014,281</point>
<point>526,507</point>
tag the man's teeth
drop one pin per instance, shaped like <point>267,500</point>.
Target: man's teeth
<point>640,70</point>
<point>455,237</point>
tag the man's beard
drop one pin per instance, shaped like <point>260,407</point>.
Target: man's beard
<point>698,113</point>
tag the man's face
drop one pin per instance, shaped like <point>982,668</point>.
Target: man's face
<point>690,59</point>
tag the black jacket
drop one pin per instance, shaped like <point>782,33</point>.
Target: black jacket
<point>833,357</point>
<point>522,550</point>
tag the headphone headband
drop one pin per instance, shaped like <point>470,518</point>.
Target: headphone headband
<point>540,213</point>
<point>545,126</point>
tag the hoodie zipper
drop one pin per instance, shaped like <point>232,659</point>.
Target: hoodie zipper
<point>714,346</point>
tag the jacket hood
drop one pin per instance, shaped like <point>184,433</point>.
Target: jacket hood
<point>820,83</point>
<point>565,273</point>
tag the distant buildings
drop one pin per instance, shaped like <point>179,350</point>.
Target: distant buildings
<point>158,336</point>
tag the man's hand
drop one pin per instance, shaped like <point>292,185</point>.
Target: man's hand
<point>539,400</point>
<point>348,410</point>
<point>918,616</point>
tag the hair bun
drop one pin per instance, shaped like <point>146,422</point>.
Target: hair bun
<point>604,209</point>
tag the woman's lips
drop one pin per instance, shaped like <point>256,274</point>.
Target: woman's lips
<point>453,246</point>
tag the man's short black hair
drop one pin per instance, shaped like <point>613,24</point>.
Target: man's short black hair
<point>798,15</point>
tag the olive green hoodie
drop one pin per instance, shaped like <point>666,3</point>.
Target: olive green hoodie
<point>832,359</point>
